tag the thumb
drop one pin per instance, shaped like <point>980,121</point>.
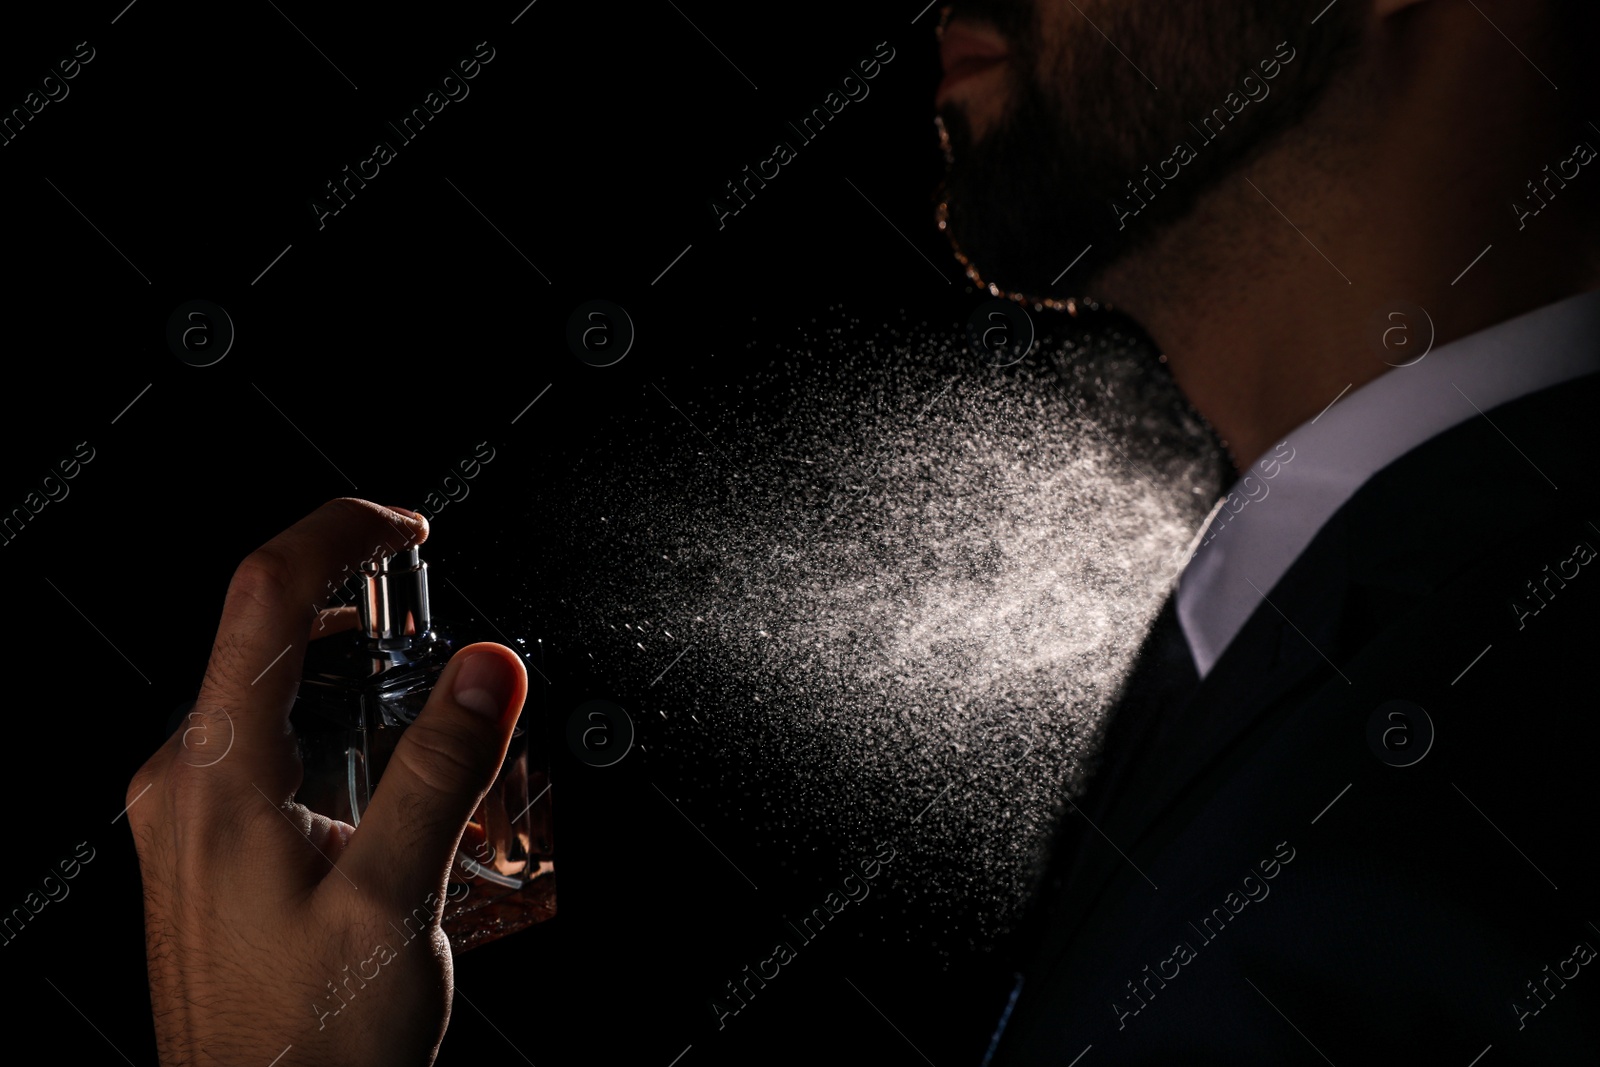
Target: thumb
<point>444,763</point>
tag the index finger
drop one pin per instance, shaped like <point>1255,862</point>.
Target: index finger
<point>254,670</point>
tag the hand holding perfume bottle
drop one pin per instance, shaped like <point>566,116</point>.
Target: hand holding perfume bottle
<point>279,934</point>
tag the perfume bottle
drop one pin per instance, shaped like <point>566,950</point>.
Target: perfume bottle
<point>360,690</point>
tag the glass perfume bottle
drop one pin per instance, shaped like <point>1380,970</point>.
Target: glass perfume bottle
<point>360,690</point>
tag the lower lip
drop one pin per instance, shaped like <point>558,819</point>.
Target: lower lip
<point>965,70</point>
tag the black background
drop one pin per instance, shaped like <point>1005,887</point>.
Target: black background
<point>376,352</point>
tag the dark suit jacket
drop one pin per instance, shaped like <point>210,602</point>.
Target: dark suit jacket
<point>1265,888</point>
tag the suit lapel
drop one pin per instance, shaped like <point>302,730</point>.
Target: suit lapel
<point>1401,535</point>
<point>1264,662</point>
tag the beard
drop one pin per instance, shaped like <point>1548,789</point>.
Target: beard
<point>1085,166</point>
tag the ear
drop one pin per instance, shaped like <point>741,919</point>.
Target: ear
<point>1385,8</point>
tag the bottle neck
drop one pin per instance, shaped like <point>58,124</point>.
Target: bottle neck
<point>393,610</point>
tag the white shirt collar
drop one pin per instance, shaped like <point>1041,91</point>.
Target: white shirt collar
<point>1275,509</point>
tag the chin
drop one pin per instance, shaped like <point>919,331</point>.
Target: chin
<point>1017,234</point>
<point>1022,279</point>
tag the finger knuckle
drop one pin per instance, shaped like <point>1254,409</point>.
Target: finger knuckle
<point>264,577</point>
<point>444,760</point>
<point>144,780</point>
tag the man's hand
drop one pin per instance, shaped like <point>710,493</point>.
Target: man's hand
<point>272,931</point>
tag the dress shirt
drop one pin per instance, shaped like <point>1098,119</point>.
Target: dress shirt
<point>1274,509</point>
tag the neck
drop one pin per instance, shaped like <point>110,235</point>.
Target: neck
<point>1274,296</point>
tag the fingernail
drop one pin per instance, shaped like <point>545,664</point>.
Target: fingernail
<point>484,684</point>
